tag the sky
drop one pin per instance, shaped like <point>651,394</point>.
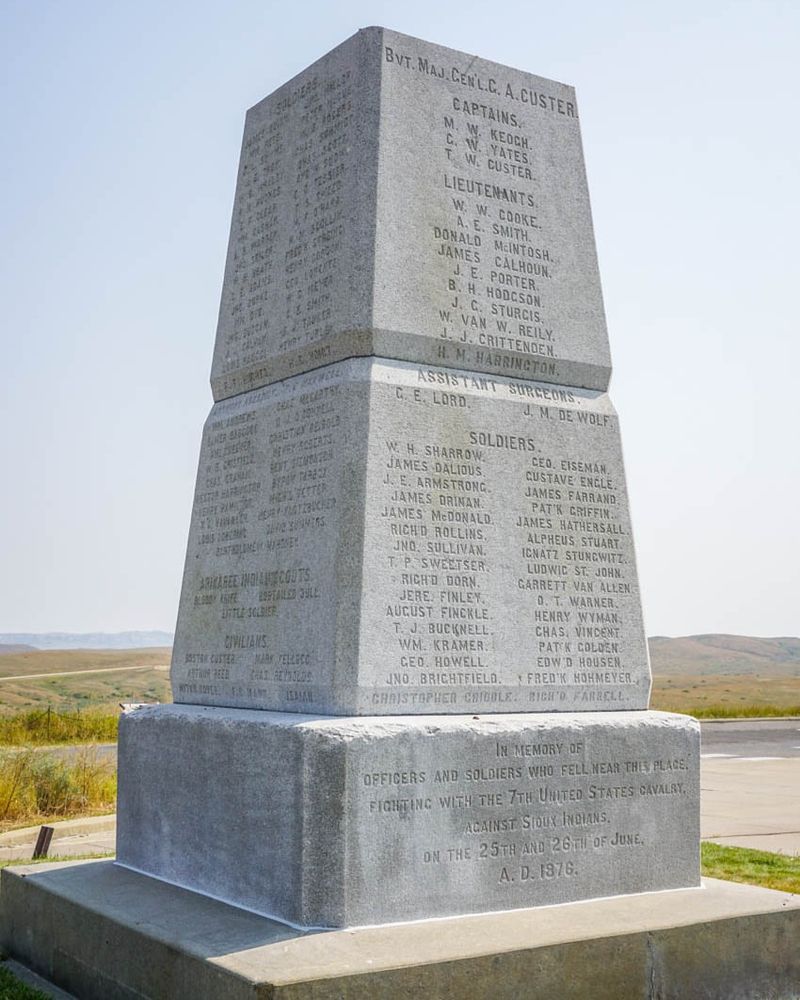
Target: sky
<point>121,127</point>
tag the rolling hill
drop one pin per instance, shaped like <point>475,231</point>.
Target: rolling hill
<point>698,674</point>
<point>71,679</point>
<point>719,674</point>
<point>706,655</point>
<point>87,640</point>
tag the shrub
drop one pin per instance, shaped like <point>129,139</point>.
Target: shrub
<point>47,727</point>
<point>37,785</point>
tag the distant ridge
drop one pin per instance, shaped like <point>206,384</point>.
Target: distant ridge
<point>710,654</point>
<point>85,640</point>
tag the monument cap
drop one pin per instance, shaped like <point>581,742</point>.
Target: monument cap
<point>405,200</point>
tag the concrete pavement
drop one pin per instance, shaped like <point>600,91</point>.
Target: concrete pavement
<point>753,738</point>
<point>750,784</point>
<point>751,803</point>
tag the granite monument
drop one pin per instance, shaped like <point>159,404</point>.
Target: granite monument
<point>410,654</point>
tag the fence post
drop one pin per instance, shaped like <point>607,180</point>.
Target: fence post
<point>43,842</point>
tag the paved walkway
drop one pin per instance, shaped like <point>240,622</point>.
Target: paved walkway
<point>750,781</point>
<point>751,802</point>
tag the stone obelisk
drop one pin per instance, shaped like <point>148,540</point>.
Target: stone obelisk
<point>410,671</point>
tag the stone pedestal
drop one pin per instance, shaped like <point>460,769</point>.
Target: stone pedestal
<point>353,821</point>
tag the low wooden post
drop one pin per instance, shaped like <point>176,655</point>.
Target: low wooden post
<point>43,842</point>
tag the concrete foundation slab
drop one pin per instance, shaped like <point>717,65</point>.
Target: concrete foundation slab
<point>23,973</point>
<point>105,933</point>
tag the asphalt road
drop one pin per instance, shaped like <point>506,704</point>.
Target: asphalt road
<point>751,738</point>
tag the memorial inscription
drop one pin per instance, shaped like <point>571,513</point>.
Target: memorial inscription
<point>444,814</point>
<point>478,255</point>
<point>488,237</point>
<point>485,528</point>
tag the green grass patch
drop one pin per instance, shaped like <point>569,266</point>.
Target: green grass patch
<point>740,864</point>
<point>95,856</point>
<point>744,711</point>
<point>48,727</point>
<point>12,988</point>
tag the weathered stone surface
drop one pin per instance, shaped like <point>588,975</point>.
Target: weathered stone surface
<point>410,500</point>
<point>722,941</point>
<point>376,537</point>
<point>270,600</point>
<point>406,200</point>
<point>344,822</point>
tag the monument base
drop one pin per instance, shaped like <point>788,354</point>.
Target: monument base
<point>340,822</point>
<point>105,933</point>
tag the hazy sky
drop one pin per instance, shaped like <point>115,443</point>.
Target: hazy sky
<point>120,139</point>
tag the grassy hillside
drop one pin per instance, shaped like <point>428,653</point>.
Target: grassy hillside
<point>51,661</point>
<point>78,679</point>
<point>734,673</point>
<point>725,654</point>
<point>695,674</point>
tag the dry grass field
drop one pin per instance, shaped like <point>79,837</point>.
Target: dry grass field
<point>38,786</point>
<point>726,674</point>
<point>72,679</point>
<point>741,694</point>
<point>700,674</point>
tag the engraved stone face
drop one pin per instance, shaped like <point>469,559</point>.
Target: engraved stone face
<point>405,200</point>
<point>378,538</point>
<point>359,821</point>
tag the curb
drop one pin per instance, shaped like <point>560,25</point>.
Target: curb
<point>760,718</point>
<point>65,828</point>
